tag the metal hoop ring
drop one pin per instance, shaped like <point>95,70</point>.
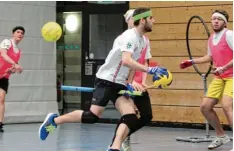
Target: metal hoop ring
<point>188,47</point>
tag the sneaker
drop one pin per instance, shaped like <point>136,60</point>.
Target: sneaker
<point>219,141</point>
<point>1,128</point>
<point>126,145</point>
<point>47,126</point>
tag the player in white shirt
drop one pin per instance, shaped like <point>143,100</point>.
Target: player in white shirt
<point>110,79</point>
<point>142,103</point>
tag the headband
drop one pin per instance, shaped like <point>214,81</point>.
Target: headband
<point>220,15</point>
<point>142,15</point>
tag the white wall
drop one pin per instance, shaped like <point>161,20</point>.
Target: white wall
<point>32,94</point>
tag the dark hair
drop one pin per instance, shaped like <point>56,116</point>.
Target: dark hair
<point>139,11</point>
<point>223,12</point>
<point>18,28</point>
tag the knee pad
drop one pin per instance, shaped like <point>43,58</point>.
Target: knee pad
<point>89,117</point>
<point>130,120</point>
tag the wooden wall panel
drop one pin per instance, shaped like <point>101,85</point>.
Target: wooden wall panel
<point>189,98</point>
<point>178,48</point>
<point>176,97</point>
<point>182,114</point>
<point>177,4</point>
<point>183,14</point>
<point>178,31</point>
<point>172,64</point>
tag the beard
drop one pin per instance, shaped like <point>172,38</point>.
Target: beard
<point>146,27</point>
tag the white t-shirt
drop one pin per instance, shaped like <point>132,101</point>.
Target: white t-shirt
<point>6,44</point>
<point>218,36</point>
<point>113,70</point>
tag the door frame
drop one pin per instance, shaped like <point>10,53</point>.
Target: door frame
<point>87,9</point>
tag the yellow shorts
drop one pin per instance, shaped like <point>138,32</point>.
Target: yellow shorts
<point>220,87</point>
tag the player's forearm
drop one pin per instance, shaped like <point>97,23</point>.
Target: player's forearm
<point>144,75</point>
<point>204,59</point>
<point>129,62</point>
<point>227,66</point>
<point>7,58</point>
<point>131,76</point>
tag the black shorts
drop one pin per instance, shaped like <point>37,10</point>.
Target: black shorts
<point>143,104</point>
<point>4,84</point>
<point>106,91</point>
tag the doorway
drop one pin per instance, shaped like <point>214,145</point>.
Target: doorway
<point>69,58</point>
<point>100,24</point>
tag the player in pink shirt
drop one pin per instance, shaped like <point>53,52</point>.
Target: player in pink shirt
<point>9,57</point>
<point>220,51</point>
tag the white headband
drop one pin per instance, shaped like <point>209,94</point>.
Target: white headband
<point>128,14</point>
<point>220,15</point>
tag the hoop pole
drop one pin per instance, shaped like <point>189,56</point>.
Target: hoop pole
<point>207,137</point>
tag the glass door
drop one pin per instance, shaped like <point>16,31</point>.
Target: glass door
<point>103,25</point>
<point>69,59</point>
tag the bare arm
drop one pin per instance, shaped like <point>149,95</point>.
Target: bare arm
<point>17,68</point>
<point>204,59</point>
<point>132,64</point>
<point>131,76</point>
<point>3,53</point>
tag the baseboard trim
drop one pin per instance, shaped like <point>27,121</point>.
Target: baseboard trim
<point>152,124</point>
<point>170,124</point>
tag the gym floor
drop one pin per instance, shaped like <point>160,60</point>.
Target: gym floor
<point>96,137</point>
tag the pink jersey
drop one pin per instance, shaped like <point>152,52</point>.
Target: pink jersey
<point>138,74</point>
<point>222,54</point>
<point>4,65</point>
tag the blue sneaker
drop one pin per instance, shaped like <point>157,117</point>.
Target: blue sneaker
<point>47,126</point>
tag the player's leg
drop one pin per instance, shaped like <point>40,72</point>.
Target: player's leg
<point>4,83</point>
<point>127,122</point>
<point>52,120</point>
<point>99,101</point>
<point>207,109</point>
<point>227,104</point>
<point>213,96</point>
<point>227,100</point>
<point>144,107</point>
<point>91,116</point>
